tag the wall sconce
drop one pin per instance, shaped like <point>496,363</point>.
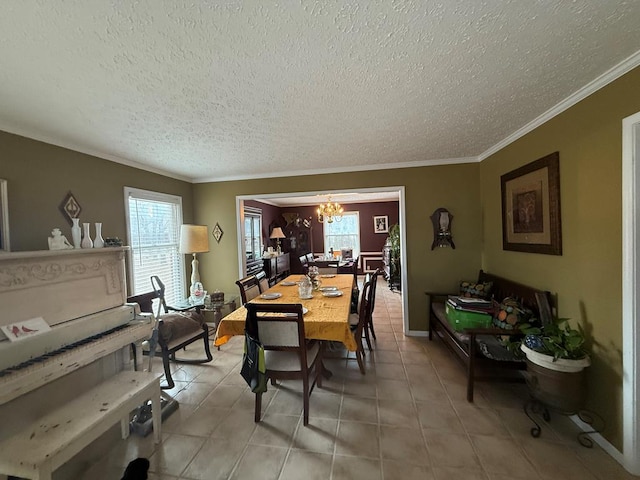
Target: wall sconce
<point>441,220</point>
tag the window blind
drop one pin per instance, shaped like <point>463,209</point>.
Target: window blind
<point>153,224</point>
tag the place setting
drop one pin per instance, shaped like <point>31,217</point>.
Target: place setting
<point>270,296</point>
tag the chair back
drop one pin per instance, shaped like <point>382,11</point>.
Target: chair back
<point>145,300</point>
<point>263,281</point>
<point>310,257</point>
<point>249,288</point>
<point>328,270</point>
<point>364,310</point>
<point>278,326</point>
<point>374,283</point>
<point>303,260</point>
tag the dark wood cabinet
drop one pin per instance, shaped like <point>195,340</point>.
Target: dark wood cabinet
<point>277,268</point>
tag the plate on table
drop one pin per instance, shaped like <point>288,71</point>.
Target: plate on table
<point>328,289</point>
<point>305,310</point>
<point>287,283</point>
<point>328,275</point>
<point>270,296</point>
<point>333,293</point>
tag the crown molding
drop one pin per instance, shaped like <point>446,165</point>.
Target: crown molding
<point>609,76</point>
<point>324,171</point>
<point>94,153</point>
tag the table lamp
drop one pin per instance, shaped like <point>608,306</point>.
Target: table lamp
<point>194,239</point>
<point>277,233</point>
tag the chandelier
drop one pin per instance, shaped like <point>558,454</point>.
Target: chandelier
<point>330,211</point>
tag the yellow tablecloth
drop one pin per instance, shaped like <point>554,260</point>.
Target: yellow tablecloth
<point>327,318</point>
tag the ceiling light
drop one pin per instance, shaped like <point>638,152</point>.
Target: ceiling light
<point>330,211</point>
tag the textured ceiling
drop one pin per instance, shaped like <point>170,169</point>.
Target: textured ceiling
<point>206,90</point>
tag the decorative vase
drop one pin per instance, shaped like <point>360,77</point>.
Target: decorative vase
<point>76,233</point>
<point>99,241</point>
<point>86,239</point>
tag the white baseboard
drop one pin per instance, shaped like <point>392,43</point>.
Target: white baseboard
<point>599,439</point>
<point>417,333</point>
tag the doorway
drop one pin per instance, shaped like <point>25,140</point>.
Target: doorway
<point>630,286</point>
<point>399,192</point>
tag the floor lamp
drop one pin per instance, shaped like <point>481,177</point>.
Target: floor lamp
<point>194,239</point>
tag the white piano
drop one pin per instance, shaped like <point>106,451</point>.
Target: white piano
<point>81,294</point>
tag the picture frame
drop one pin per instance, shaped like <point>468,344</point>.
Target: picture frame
<point>4,217</point>
<point>531,207</point>
<point>381,224</point>
<point>217,232</point>
<point>70,207</point>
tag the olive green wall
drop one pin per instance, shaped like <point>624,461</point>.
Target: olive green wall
<point>454,187</point>
<point>587,277</point>
<point>39,175</point>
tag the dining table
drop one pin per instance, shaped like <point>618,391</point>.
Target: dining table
<point>326,313</point>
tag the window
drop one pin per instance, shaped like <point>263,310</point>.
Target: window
<point>153,228</point>
<point>343,234</point>
<point>252,233</point>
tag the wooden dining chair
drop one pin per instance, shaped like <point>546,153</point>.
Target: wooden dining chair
<point>263,281</point>
<point>288,355</point>
<point>249,288</point>
<point>358,321</point>
<point>328,270</point>
<point>369,328</point>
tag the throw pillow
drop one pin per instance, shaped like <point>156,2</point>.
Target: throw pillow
<point>510,313</point>
<point>476,290</point>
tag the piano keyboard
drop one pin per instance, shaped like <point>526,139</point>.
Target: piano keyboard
<point>31,374</point>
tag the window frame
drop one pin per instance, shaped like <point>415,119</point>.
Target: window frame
<point>356,251</point>
<point>253,212</point>
<point>153,196</point>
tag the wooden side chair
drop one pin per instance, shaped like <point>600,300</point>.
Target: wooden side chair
<point>369,328</point>
<point>175,330</point>
<point>263,281</point>
<point>280,330</point>
<point>358,321</point>
<point>249,288</point>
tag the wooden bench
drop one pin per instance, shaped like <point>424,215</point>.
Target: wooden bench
<point>50,441</point>
<point>466,344</point>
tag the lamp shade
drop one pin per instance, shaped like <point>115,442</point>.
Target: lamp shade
<point>194,239</point>
<point>277,233</point>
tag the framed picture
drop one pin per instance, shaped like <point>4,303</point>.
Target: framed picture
<point>70,208</point>
<point>4,217</point>
<point>381,224</point>
<point>217,232</point>
<point>531,207</point>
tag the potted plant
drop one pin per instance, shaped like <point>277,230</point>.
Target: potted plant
<point>394,240</point>
<point>556,361</point>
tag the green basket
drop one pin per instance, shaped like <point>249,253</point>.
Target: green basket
<point>461,319</point>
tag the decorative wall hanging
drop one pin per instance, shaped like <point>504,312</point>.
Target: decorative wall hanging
<point>441,220</point>
<point>531,207</point>
<point>217,232</point>
<point>381,224</point>
<point>70,208</point>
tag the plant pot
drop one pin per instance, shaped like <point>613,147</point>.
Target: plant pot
<point>560,365</point>
<point>561,385</point>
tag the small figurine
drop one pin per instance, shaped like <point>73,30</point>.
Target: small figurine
<point>58,241</point>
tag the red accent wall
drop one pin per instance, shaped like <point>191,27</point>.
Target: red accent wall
<point>369,240</point>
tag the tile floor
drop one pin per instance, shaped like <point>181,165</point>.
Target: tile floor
<point>407,418</point>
